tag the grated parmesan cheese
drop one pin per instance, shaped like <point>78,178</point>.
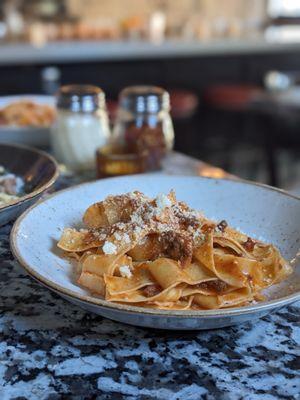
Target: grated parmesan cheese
<point>136,219</point>
<point>118,236</point>
<point>163,201</point>
<point>109,248</point>
<point>125,271</point>
<point>198,235</point>
<point>126,238</point>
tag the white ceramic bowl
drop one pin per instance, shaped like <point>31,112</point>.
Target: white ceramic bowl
<point>260,211</point>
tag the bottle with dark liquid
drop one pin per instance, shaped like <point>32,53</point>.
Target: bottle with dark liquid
<point>143,124</point>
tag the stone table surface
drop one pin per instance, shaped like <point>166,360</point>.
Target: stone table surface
<point>51,349</point>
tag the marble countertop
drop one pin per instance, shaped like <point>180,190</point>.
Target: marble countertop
<point>51,349</point>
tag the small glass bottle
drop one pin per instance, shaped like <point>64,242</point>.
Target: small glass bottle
<point>81,126</point>
<point>144,124</point>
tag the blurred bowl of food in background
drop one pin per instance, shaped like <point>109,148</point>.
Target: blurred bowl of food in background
<point>26,119</point>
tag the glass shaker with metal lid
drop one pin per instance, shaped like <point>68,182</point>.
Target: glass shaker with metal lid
<point>81,126</point>
<point>144,124</point>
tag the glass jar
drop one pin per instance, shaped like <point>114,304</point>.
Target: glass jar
<point>116,161</point>
<point>144,123</point>
<point>81,126</point>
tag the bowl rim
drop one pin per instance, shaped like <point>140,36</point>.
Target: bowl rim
<point>42,188</point>
<point>97,301</point>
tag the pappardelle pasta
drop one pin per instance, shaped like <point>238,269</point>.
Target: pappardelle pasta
<point>159,253</point>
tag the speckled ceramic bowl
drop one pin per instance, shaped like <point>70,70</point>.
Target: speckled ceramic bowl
<point>38,170</point>
<point>261,211</point>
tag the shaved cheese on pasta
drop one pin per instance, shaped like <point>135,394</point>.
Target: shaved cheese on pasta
<point>159,253</point>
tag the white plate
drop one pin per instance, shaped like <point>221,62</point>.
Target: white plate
<point>260,211</point>
<point>34,136</point>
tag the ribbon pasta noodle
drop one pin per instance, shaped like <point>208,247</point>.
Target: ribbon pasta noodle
<point>160,253</point>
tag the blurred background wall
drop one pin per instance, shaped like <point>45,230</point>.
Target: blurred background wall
<point>217,59</point>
